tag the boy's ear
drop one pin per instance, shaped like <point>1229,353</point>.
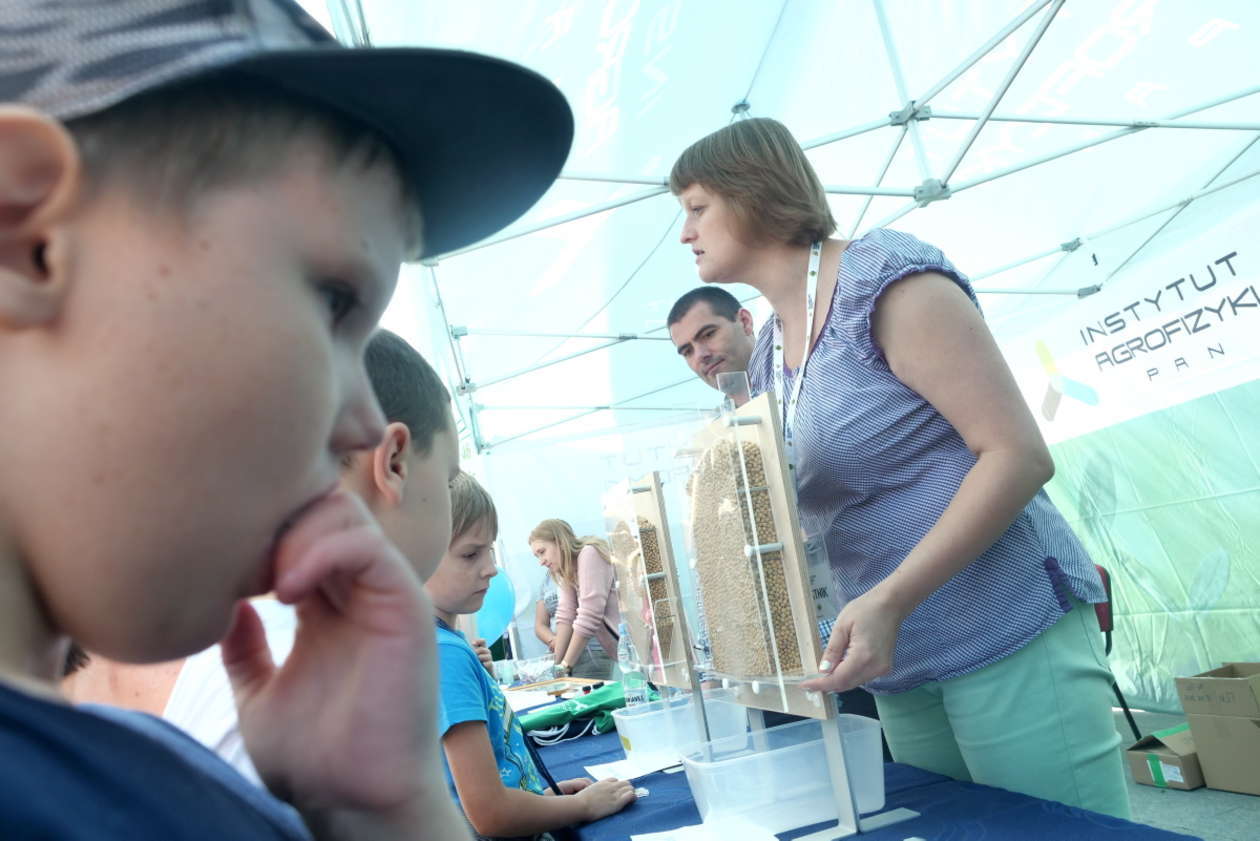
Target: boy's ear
<point>389,462</point>
<point>39,177</point>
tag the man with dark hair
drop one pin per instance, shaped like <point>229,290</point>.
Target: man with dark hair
<point>712,333</point>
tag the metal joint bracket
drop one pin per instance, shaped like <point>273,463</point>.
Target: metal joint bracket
<point>1072,245</point>
<point>466,388</point>
<point>931,190</point>
<point>1086,291</point>
<point>458,332</point>
<point>910,112</point>
<point>740,107</point>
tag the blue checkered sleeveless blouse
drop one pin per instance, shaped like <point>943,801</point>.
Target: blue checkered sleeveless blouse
<point>878,465</point>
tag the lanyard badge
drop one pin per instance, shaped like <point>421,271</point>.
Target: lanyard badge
<point>788,403</point>
<point>815,546</point>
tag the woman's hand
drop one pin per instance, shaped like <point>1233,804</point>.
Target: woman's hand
<point>861,645</point>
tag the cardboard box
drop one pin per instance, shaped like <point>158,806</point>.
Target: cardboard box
<point>1223,709</point>
<point>1167,759</point>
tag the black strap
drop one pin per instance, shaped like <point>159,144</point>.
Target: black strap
<point>538,762</point>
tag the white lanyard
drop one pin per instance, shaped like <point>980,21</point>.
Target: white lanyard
<point>789,403</point>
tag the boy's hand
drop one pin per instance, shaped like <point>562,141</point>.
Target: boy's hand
<point>346,725</point>
<point>483,654</point>
<point>605,797</point>
<point>574,785</point>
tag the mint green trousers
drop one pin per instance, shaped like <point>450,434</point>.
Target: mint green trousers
<point>1037,722</point>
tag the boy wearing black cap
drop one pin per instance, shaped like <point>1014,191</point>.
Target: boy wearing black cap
<point>203,206</point>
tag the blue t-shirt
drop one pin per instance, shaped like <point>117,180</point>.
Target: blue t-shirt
<point>468,694</point>
<point>78,774</point>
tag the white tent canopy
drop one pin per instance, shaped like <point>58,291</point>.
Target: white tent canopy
<point>1058,152</point>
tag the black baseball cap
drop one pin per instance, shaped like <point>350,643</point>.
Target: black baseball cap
<point>479,138</point>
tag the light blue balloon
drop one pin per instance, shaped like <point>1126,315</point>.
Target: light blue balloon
<point>497,610</point>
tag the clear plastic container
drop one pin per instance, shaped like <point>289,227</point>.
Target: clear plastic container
<point>777,779</point>
<point>660,731</point>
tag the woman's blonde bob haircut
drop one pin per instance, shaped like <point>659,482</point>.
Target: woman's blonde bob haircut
<point>762,172</point>
<point>561,533</point>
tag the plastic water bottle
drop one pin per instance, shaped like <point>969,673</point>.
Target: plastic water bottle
<point>633,681</point>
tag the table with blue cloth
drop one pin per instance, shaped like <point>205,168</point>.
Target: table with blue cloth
<point>948,809</point>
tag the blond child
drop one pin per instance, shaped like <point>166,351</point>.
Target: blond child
<point>489,767</point>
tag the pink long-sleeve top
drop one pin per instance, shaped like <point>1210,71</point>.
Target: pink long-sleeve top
<point>592,606</point>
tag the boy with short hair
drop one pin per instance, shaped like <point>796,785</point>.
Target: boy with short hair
<point>488,764</point>
<point>404,482</point>
<point>203,207</point>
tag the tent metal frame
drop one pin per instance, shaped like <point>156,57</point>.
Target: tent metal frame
<point>350,25</point>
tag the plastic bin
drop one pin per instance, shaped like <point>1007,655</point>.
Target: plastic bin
<point>660,731</point>
<point>777,779</point>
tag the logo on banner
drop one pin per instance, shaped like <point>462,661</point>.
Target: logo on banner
<point>1060,386</point>
<point>1165,321</point>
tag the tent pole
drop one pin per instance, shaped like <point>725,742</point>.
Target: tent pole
<point>765,51</point>
<point>1002,89</point>
<point>866,205</point>
<point>966,185</point>
<point>1034,258</point>
<point>1181,203</point>
<point>846,134</point>
<point>1090,121</point>
<point>1192,197</point>
<point>894,63</point>
<point>580,415</point>
<point>561,220</point>
<point>538,367</point>
<point>457,355</point>
<point>473,331</point>
<point>980,53</point>
<point>497,407</point>
<point>1177,212</point>
<point>838,190</point>
<point>1075,293</point>
<point>888,220</point>
<point>613,179</point>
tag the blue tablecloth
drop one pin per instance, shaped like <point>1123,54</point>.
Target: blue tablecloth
<point>949,810</point>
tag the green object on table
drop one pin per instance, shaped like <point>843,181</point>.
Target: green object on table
<point>598,705</point>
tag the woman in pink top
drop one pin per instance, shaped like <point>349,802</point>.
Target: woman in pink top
<point>587,606</point>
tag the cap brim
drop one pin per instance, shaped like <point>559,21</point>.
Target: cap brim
<point>481,138</point>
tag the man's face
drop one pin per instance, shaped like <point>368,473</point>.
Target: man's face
<point>711,344</point>
<point>421,523</point>
<point>201,384</point>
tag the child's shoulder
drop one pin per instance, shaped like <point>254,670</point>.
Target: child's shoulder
<point>138,777</point>
<point>456,656</point>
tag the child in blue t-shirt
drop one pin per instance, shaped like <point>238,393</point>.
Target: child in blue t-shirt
<point>488,766</point>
